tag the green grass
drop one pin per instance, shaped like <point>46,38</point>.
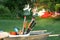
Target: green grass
<point>53,38</point>
<point>48,24</point>
<point>41,24</point>
<point>8,25</point>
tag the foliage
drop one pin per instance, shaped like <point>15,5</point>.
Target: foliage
<point>4,11</point>
<point>48,4</point>
<point>15,7</point>
<point>57,7</point>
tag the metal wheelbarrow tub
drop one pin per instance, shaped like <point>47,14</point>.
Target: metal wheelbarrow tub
<point>35,36</point>
<point>32,37</point>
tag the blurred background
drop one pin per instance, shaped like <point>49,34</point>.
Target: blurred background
<point>12,15</point>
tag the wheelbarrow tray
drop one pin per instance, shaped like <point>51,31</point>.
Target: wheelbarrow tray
<point>41,36</point>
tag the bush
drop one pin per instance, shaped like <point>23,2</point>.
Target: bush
<point>57,7</point>
<point>4,11</point>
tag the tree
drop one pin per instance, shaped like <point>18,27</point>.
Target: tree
<point>4,11</point>
<point>48,4</point>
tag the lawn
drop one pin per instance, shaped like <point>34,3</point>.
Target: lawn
<point>9,25</point>
<point>41,24</point>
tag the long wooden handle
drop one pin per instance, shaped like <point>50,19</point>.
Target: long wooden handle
<point>30,28</point>
<point>31,25</point>
<point>24,24</point>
